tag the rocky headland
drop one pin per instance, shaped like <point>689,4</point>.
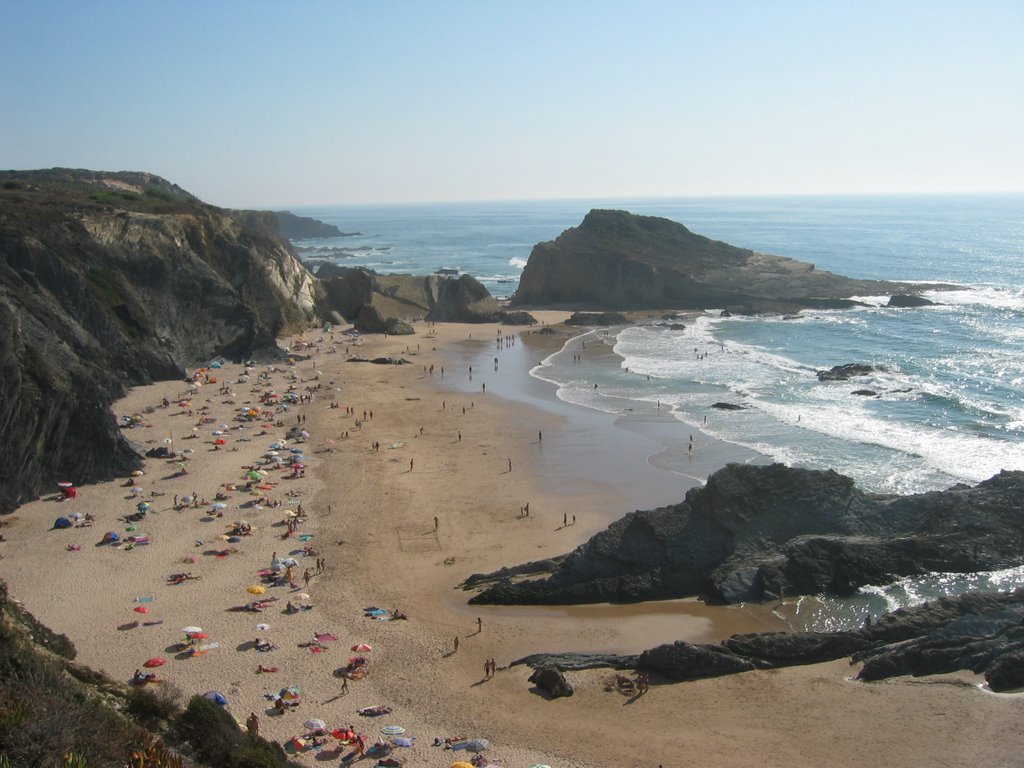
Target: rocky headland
<point>294,227</point>
<point>757,533</point>
<point>619,260</point>
<point>110,280</point>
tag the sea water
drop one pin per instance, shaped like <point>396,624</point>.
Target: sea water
<point>944,403</point>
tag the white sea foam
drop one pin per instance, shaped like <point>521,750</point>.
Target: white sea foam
<point>517,262</point>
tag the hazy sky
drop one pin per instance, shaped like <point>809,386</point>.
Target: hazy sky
<point>263,104</point>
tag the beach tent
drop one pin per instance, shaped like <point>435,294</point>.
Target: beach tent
<point>62,522</point>
<point>110,538</point>
<point>216,697</point>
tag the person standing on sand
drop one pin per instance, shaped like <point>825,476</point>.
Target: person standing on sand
<point>479,625</point>
<point>510,465</point>
<point>252,725</point>
<point>410,464</point>
<point>306,576</point>
<point>436,522</point>
<point>344,684</point>
<point>456,644</point>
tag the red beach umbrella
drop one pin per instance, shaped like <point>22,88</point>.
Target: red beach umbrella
<point>141,609</point>
<point>154,662</point>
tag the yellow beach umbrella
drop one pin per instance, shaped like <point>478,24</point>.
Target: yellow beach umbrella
<point>256,589</point>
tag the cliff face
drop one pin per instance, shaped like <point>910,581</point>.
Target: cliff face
<point>114,280</point>
<point>368,299</point>
<point>756,533</point>
<point>618,260</point>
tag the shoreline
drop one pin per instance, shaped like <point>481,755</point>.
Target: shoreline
<point>370,515</point>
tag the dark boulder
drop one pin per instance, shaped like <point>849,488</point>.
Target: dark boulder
<point>552,682</point>
<point>909,300</point>
<point>847,372</point>
<point>727,406</point>
<point>600,319</point>
<point>518,317</point>
<point>1006,673</point>
<point>683,661</point>
<point>864,393</point>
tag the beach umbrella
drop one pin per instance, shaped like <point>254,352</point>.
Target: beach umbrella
<point>136,490</point>
<point>290,561</point>
<point>154,662</point>
<point>540,765</point>
<point>361,647</point>
<point>291,693</point>
<point>140,609</point>
<point>190,630</point>
<point>297,465</point>
<point>315,724</point>
<point>198,635</point>
<point>477,745</point>
<point>216,697</point>
<point>302,596</point>
<point>137,473</point>
<point>402,741</point>
<point>393,730</point>
<point>142,506</point>
<point>219,505</point>
<point>256,589</point>
<point>462,764</point>
<point>262,627</point>
<point>220,441</point>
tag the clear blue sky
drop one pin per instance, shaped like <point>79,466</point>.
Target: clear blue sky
<point>261,104</point>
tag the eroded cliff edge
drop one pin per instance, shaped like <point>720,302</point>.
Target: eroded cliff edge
<point>616,259</point>
<point>110,280</point>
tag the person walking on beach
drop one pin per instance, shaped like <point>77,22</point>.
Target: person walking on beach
<point>410,464</point>
<point>436,522</point>
<point>510,465</point>
<point>344,684</point>
<point>252,725</point>
<point>306,576</point>
<point>479,625</point>
<point>456,644</point>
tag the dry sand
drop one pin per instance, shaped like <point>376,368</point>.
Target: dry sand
<point>370,515</point>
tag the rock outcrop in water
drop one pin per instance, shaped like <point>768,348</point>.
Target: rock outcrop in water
<point>110,280</point>
<point>619,260</point>
<point>756,533</point>
<point>979,632</point>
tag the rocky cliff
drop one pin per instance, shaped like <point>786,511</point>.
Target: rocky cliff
<point>109,280</point>
<point>370,300</point>
<point>293,227</point>
<point>755,533</point>
<point>618,260</point>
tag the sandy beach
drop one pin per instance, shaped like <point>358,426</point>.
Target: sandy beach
<point>469,452</point>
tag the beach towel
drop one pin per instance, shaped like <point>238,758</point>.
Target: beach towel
<point>325,638</point>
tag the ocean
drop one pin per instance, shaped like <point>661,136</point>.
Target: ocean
<point>947,393</point>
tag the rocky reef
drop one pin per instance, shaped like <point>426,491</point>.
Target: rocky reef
<point>619,260</point>
<point>979,632</point>
<point>756,533</point>
<point>110,280</point>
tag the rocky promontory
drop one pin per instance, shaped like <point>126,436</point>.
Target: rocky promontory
<point>619,260</point>
<point>756,533</point>
<point>294,227</point>
<point>111,280</point>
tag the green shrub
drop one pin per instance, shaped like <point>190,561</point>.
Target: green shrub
<point>153,705</point>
